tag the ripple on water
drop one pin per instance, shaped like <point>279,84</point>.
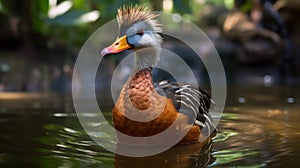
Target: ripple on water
<point>250,136</point>
<point>223,136</point>
<point>72,147</point>
<point>225,157</point>
<point>263,136</point>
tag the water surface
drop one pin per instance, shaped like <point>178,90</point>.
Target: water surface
<point>259,128</point>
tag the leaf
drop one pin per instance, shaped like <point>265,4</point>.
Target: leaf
<point>59,9</point>
<point>79,4</point>
<point>43,6</point>
<point>74,18</point>
<point>182,6</point>
<point>247,6</point>
<point>4,8</point>
<point>229,4</point>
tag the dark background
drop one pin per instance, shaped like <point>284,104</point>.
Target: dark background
<point>257,40</point>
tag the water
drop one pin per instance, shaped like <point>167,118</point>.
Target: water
<point>259,128</point>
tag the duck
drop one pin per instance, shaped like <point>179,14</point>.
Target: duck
<point>145,108</point>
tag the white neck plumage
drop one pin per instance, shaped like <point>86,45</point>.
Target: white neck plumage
<point>146,58</point>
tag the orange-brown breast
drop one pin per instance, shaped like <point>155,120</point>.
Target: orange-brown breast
<point>138,99</point>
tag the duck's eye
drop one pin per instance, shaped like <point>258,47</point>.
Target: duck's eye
<point>140,32</point>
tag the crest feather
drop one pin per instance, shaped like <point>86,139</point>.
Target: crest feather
<point>129,15</point>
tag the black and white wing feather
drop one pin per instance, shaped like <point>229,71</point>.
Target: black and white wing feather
<point>191,101</point>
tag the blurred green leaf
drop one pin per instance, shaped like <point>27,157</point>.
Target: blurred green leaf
<point>43,7</point>
<point>74,18</point>
<point>39,11</point>
<point>3,8</point>
<point>218,2</point>
<point>229,4</point>
<point>79,4</point>
<point>248,5</point>
<point>59,9</point>
<point>182,6</point>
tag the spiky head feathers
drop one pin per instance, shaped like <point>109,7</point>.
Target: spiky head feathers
<point>130,15</point>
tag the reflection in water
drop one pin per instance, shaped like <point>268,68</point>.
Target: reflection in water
<point>74,147</point>
<point>263,131</point>
<point>224,157</point>
<point>265,137</point>
<point>181,156</point>
<point>63,146</point>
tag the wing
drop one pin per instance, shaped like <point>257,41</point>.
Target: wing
<point>193,102</point>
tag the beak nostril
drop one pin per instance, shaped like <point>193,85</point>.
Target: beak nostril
<point>117,43</point>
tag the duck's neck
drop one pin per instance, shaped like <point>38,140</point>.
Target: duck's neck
<point>146,58</point>
<point>140,83</point>
<point>140,88</point>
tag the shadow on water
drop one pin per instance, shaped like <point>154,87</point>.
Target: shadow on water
<point>259,128</point>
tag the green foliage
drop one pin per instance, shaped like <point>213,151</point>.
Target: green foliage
<point>182,6</point>
<point>72,21</point>
<point>247,6</point>
<point>39,11</point>
<point>229,4</point>
<point>2,8</point>
<point>74,18</point>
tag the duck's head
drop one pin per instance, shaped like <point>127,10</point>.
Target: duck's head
<point>138,29</point>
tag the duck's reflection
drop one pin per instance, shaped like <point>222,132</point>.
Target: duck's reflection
<point>180,156</point>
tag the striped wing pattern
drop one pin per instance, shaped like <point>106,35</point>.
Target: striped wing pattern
<point>193,102</point>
